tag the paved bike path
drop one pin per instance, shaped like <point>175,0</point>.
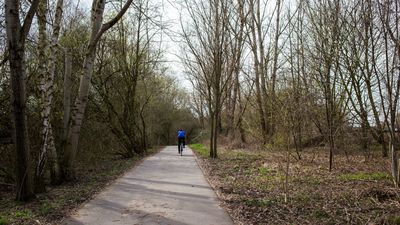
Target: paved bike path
<point>165,189</point>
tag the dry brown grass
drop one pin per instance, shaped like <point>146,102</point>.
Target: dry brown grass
<point>251,185</point>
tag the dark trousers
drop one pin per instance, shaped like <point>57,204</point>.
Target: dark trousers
<point>181,140</point>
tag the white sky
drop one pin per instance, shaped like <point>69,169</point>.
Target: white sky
<point>171,48</point>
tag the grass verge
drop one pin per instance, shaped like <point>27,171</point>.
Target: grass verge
<point>200,149</point>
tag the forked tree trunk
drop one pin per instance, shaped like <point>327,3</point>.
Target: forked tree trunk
<point>16,36</point>
<point>78,111</point>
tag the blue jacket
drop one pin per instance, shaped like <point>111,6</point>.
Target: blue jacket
<point>181,134</point>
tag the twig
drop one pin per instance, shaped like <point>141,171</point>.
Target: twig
<point>7,184</point>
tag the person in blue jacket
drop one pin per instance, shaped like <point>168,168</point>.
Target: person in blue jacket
<point>181,138</point>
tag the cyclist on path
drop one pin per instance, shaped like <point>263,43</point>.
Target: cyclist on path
<point>181,138</point>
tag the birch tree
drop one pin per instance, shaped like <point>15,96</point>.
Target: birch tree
<point>47,70</point>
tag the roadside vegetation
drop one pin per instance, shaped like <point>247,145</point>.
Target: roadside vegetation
<point>90,108</point>
<point>60,201</point>
<point>261,187</point>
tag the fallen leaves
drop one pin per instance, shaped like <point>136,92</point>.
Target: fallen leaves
<point>251,187</point>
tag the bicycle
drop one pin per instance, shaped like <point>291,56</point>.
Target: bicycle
<point>180,148</point>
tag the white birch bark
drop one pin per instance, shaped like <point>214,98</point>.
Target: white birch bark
<point>48,150</point>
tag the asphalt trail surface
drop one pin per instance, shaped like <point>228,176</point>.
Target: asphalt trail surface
<point>165,189</point>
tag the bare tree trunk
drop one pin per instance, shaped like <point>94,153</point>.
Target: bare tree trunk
<point>212,128</point>
<point>276,48</point>
<point>257,47</point>
<point>48,153</point>
<point>67,96</point>
<point>52,152</point>
<point>395,164</point>
<point>389,11</point>
<point>16,36</point>
<point>78,110</point>
<point>240,117</point>
<point>42,45</point>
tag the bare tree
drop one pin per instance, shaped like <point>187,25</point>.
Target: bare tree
<point>326,66</point>
<point>124,57</point>
<point>237,29</point>
<point>207,45</point>
<point>16,38</point>
<point>389,79</point>
<point>257,43</point>
<point>97,30</point>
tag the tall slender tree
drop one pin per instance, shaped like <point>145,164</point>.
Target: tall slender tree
<point>78,111</point>
<point>16,38</point>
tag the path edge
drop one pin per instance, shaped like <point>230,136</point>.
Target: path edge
<point>108,185</point>
<point>217,192</point>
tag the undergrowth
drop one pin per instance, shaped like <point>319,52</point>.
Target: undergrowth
<point>252,185</point>
<point>51,207</point>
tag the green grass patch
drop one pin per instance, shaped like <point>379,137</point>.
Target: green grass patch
<point>46,208</point>
<point>364,176</point>
<point>320,214</point>
<point>258,202</point>
<point>4,220</point>
<point>265,171</point>
<point>25,214</point>
<point>393,220</point>
<point>201,149</point>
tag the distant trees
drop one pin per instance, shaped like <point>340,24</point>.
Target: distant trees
<point>333,62</point>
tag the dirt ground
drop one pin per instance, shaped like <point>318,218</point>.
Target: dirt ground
<point>256,189</point>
